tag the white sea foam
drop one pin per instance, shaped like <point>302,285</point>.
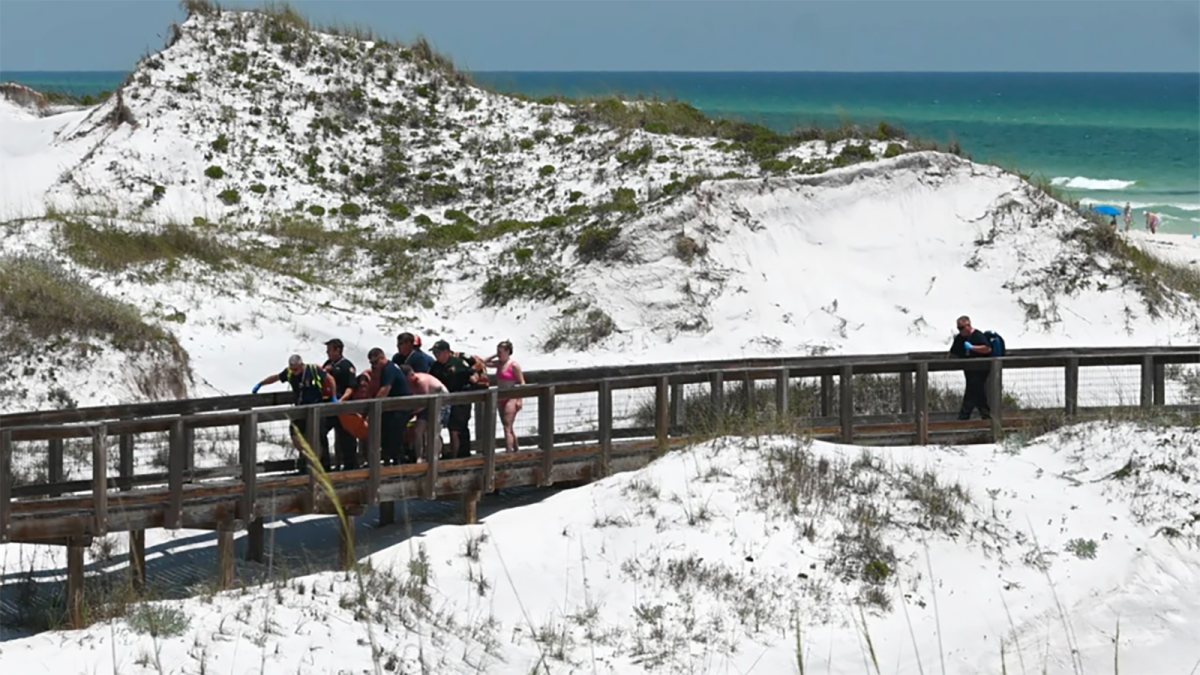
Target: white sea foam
<point>1140,206</point>
<point>1081,183</point>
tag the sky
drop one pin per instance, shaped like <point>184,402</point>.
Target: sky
<point>672,35</point>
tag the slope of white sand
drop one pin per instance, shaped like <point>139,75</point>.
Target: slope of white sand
<point>696,564</point>
<point>30,158</point>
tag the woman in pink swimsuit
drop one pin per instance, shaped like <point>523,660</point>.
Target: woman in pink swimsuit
<point>508,374</point>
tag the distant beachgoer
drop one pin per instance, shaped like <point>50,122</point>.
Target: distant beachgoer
<point>1152,222</point>
<point>970,343</point>
<point>1113,223</point>
<point>1128,216</point>
<point>508,374</point>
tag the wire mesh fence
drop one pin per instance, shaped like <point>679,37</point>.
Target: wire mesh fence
<point>693,408</point>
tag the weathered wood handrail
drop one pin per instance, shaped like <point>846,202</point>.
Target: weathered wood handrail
<point>1088,356</point>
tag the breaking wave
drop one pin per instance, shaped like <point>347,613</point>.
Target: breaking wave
<point>1081,183</point>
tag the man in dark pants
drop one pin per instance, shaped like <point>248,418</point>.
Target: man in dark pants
<point>970,344</point>
<point>457,371</point>
<point>392,383</point>
<point>337,365</point>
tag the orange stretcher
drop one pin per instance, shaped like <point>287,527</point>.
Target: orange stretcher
<point>356,424</point>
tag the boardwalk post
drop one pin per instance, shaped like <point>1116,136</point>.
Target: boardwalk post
<point>6,452</point>
<point>996,397</point>
<point>906,393</point>
<point>248,452</point>
<point>716,393</point>
<point>1147,381</point>
<point>248,511</point>
<point>433,438</point>
<point>1071,386</point>
<point>387,513</point>
<point>546,434</point>
<point>137,559</point>
<point>1160,384</point>
<point>782,407</point>
<point>175,459</point>
<point>470,504</point>
<point>846,402</point>
<point>125,461</point>
<point>75,604</point>
<point>662,413</point>
<point>604,409</point>
<point>312,435</point>
<point>189,444</point>
<point>56,466</point>
<point>678,414</point>
<point>99,480</point>
<point>488,439</point>
<point>749,391</point>
<point>387,510</point>
<point>921,403</point>
<point>225,567</point>
<point>826,395</point>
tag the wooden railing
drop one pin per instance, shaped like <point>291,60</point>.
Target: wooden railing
<point>243,495</point>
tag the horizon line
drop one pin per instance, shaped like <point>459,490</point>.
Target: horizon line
<point>744,72</point>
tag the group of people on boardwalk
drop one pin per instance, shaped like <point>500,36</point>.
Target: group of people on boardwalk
<point>409,372</point>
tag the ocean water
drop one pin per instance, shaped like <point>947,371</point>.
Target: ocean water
<point>1107,138</point>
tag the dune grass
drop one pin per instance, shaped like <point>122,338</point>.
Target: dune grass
<point>299,248</point>
<point>45,302</point>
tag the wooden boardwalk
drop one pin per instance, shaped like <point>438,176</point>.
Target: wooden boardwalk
<point>239,496</point>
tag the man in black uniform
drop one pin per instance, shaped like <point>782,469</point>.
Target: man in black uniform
<point>344,443</point>
<point>969,344</point>
<point>457,371</point>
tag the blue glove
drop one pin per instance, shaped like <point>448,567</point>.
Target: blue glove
<point>335,398</point>
<point>967,346</point>
<point>255,389</point>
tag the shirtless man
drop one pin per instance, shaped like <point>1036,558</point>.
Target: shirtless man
<point>423,384</point>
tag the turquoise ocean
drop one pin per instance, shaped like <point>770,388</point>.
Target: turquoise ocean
<point>1107,138</point>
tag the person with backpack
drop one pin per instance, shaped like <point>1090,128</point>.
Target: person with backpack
<point>972,344</point>
<point>310,385</point>
<point>459,372</point>
<point>344,443</point>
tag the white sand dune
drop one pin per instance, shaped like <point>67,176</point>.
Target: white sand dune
<point>880,256</point>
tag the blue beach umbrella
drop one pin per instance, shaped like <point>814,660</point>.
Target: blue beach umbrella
<point>1107,210</point>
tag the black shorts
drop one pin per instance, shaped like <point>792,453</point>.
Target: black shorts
<point>460,417</point>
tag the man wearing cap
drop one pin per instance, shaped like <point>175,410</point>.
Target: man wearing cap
<point>391,383</point>
<point>410,353</point>
<point>344,443</point>
<point>458,372</point>
<point>310,385</point>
